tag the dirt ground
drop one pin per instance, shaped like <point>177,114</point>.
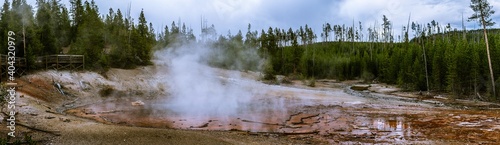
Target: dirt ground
<point>115,108</point>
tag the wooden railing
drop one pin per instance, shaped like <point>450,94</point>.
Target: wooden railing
<point>19,61</point>
<point>62,61</point>
<point>19,66</point>
<point>58,62</point>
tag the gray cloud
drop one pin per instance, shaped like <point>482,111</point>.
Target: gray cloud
<point>235,15</point>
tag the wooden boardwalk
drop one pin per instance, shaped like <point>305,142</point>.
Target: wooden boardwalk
<point>57,62</point>
<point>19,64</point>
<point>20,61</point>
<point>61,62</point>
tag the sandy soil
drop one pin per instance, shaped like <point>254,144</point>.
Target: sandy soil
<point>99,109</point>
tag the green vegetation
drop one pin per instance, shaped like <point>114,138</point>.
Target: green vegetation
<point>106,91</point>
<point>455,63</point>
<point>3,94</point>
<point>106,41</point>
<point>427,57</point>
<point>27,140</point>
<point>482,13</point>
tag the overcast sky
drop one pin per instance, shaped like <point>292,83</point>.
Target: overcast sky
<point>235,15</point>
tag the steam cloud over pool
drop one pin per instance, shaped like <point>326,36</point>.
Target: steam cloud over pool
<point>196,88</point>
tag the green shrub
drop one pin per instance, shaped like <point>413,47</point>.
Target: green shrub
<point>106,91</point>
<point>312,83</point>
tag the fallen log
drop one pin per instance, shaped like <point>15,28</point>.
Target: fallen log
<point>50,111</point>
<point>360,87</point>
<point>110,111</point>
<point>25,142</point>
<point>250,121</point>
<point>299,133</point>
<point>57,133</point>
<point>200,126</point>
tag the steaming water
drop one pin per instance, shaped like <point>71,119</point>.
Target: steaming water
<point>201,97</point>
<point>199,92</point>
<point>194,87</point>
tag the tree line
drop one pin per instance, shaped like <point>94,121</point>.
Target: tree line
<point>438,58</point>
<point>111,40</point>
<point>444,62</point>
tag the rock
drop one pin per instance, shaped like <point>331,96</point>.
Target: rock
<point>280,78</point>
<point>470,124</point>
<point>138,103</point>
<point>354,126</point>
<point>64,120</point>
<point>360,87</point>
<point>440,97</point>
<point>49,117</point>
<point>363,128</point>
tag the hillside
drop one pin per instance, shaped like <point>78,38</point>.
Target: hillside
<point>450,64</point>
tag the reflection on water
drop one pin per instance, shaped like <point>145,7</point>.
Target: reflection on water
<point>391,124</point>
<point>396,126</point>
<point>263,116</point>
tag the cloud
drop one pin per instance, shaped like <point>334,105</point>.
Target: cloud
<point>398,11</point>
<point>235,15</point>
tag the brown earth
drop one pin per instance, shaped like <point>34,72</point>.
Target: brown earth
<point>329,113</point>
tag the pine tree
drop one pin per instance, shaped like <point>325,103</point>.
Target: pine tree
<point>439,67</point>
<point>386,33</point>
<point>143,44</point>
<point>64,27</point>
<point>251,37</point>
<point>4,24</point>
<point>483,11</point>
<point>47,22</point>
<point>166,36</point>
<point>77,12</point>
<point>110,28</point>
<point>327,28</point>
<point>90,31</point>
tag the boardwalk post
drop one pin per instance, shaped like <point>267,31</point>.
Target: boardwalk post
<point>57,62</point>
